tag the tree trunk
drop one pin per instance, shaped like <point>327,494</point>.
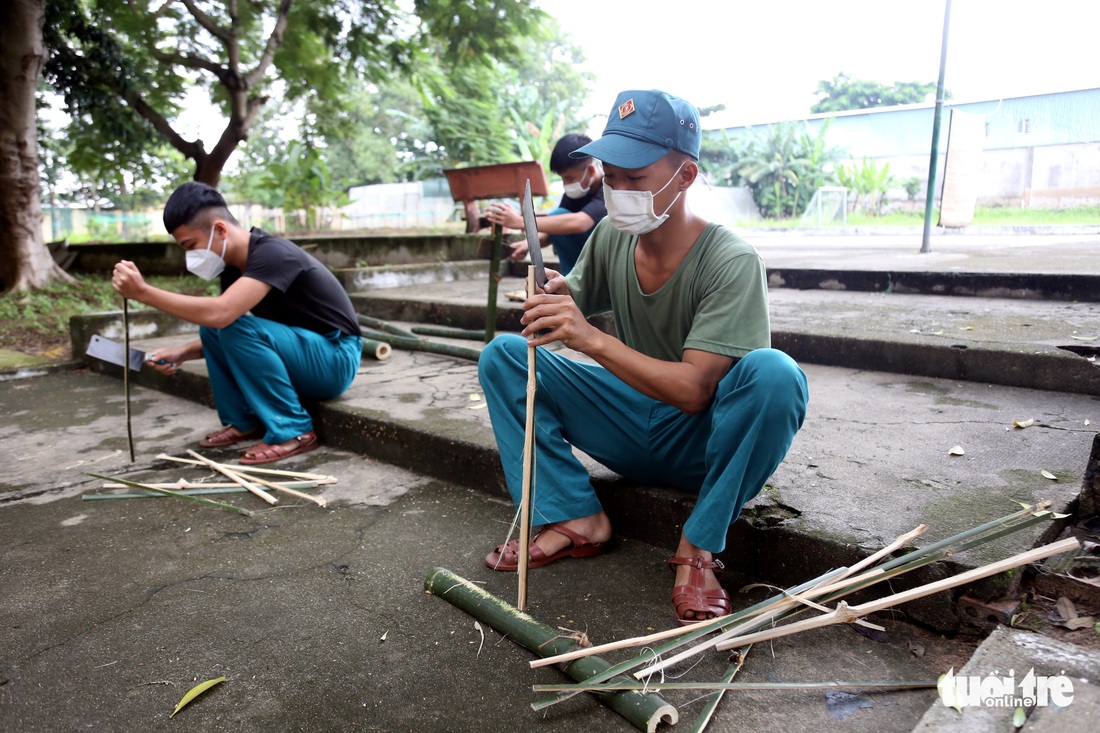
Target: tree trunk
<point>25,263</point>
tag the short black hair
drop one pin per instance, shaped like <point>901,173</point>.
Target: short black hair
<point>191,200</point>
<point>559,158</point>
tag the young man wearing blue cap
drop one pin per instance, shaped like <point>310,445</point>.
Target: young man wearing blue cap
<point>568,226</point>
<point>689,394</point>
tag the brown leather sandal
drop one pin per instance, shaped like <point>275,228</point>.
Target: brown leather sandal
<point>506,557</point>
<point>228,436</point>
<point>264,453</point>
<point>694,596</point>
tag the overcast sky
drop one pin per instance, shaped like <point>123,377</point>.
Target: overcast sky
<point>763,59</point>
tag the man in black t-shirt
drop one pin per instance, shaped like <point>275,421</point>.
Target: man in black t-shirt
<point>567,227</point>
<point>282,329</point>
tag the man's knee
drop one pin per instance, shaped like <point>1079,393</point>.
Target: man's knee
<point>772,374</point>
<point>500,356</point>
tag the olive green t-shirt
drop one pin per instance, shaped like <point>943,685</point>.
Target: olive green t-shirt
<point>715,301</point>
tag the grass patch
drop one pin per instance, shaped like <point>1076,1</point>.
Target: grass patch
<point>38,322</point>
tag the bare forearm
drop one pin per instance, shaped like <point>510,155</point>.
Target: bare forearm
<point>200,310</point>
<point>674,383</point>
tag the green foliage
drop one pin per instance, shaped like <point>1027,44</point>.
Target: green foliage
<point>303,178</point>
<point>123,66</point>
<point>412,128</point>
<point>782,165</point>
<point>45,313</point>
<point>912,188</point>
<point>844,93</point>
<point>867,180</point>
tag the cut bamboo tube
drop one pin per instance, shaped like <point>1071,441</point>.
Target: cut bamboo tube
<point>645,712</point>
<point>528,464</point>
<point>234,477</point>
<point>379,350</point>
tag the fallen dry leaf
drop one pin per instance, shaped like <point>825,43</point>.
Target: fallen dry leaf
<point>1047,474</point>
<point>1024,423</point>
<point>1065,608</point>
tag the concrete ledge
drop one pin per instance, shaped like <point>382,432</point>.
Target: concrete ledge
<point>1010,652</point>
<point>1031,286</point>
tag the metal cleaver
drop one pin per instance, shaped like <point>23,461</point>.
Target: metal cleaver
<point>534,248</point>
<point>115,353</point>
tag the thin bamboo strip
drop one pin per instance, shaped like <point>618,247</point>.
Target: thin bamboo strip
<point>712,700</point>
<point>234,477</point>
<point>183,486</point>
<point>645,686</point>
<point>218,504</point>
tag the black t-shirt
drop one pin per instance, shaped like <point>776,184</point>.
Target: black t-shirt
<point>591,203</point>
<point>304,293</point>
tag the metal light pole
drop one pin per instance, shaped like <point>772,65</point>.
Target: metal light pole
<point>930,196</point>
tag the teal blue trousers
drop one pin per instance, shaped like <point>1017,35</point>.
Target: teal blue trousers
<point>723,454</point>
<point>260,370</point>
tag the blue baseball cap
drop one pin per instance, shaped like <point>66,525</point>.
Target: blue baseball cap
<point>643,127</point>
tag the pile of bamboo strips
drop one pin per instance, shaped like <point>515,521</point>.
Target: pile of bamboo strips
<point>242,478</point>
<point>743,628</point>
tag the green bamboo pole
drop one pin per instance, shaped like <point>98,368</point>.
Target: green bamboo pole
<point>643,711</point>
<point>449,333</point>
<point>386,326</point>
<point>415,343</point>
<point>494,281</point>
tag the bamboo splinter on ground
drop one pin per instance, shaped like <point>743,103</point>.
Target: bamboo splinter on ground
<point>528,463</point>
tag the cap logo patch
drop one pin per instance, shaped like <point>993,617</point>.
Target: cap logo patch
<point>626,108</point>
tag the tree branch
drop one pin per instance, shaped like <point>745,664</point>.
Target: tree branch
<point>190,61</point>
<point>205,20</point>
<point>273,42</point>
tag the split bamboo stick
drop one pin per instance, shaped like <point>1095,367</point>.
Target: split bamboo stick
<point>528,464</point>
<point>319,478</point>
<point>845,613</point>
<point>644,712</point>
<point>234,477</point>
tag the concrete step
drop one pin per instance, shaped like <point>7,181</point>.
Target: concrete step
<point>1036,344</point>
<point>1066,697</point>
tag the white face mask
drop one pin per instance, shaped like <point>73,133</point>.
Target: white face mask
<point>631,212</point>
<point>576,190</point>
<point>205,263</point>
